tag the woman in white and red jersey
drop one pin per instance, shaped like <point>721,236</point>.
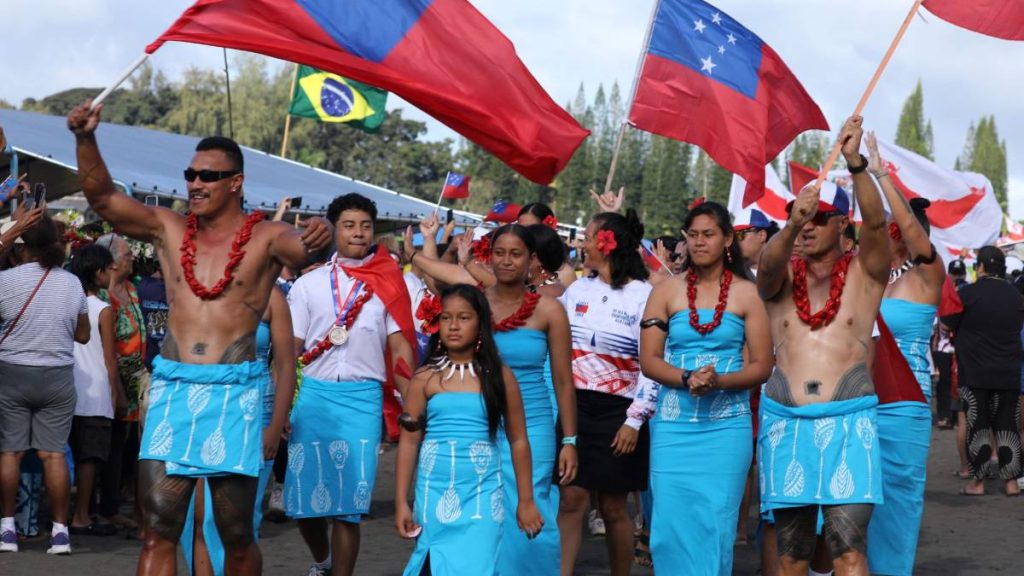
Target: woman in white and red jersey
<point>614,400</point>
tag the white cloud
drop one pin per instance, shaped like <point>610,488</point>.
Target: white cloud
<point>832,47</point>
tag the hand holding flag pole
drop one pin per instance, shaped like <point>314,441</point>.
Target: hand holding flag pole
<point>834,155</point>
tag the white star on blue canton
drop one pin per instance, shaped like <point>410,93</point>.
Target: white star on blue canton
<point>721,49</point>
<point>732,39</point>
<point>717,18</point>
<point>707,65</point>
<point>699,26</point>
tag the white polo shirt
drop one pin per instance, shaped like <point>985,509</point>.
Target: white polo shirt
<point>313,315</point>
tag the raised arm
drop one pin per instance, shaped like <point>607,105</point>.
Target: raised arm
<point>128,216</point>
<point>914,235</point>
<point>773,266</point>
<point>874,237</point>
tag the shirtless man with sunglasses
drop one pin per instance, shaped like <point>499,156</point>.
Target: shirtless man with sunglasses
<point>219,265</point>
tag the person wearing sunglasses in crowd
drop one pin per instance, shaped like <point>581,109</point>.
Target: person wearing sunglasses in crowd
<point>818,444</point>
<point>220,265</point>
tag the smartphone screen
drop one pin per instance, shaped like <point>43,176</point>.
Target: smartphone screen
<point>572,235</point>
<point>296,202</point>
<point>26,199</point>
<point>7,185</point>
<point>152,200</point>
<point>451,215</point>
<point>40,194</point>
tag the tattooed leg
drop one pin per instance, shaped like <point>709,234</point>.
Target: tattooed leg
<point>165,499</point>
<point>846,528</point>
<point>795,532</point>
<point>234,499</point>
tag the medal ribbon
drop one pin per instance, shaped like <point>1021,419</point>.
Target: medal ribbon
<point>340,309</point>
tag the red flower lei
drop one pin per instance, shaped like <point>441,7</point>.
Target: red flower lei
<point>551,222</point>
<point>188,256</point>
<point>723,298</point>
<point>519,317</point>
<point>429,311</point>
<point>482,250</point>
<point>827,314</point>
<point>324,344</point>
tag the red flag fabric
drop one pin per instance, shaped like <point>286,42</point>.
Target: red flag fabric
<point>442,56</point>
<point>893,378</point>
<point>949,303</point>
<point>456,186</point>
<point>383,276</point>
<point>999,18</point>
<point>800,176</point>
<point>709,81</point>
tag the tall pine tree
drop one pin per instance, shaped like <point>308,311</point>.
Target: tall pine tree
<point>985,153</point>
<point>914,132</point>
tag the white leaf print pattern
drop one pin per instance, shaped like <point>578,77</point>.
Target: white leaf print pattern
<point>842,485</point>
<point>824,428</point>
<point>449,509</point>
<point>296,461</point>
<point>428,456</point>
<point>866,433</point>
<point>339,454</point>
<point>794,482</point>
<point>670,406</point>
<point>775,433</point>
<point>320,500</point>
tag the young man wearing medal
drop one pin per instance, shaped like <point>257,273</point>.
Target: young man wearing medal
<point>220,267</point>
<point>818,442</point>
<point>353,325</point>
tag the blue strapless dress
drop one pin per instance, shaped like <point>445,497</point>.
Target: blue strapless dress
<point>525,351</point>
<point>701,451</point>
<point>904,435</point>
<point>459,497</point>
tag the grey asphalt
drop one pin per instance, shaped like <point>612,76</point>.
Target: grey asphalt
<point>960,535</point>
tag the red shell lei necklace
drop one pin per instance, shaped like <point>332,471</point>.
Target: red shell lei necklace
<point>723,299</point>
<point>324,344</point>
<point>827,314</point>
<point>188,255</point>
<point>520,316</point>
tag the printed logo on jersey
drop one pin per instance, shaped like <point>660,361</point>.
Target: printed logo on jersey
<point>581,308</point>
<point>623,317</point>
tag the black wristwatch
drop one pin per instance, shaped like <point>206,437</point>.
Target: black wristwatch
<point>858,169</point>
<point>686,377</point>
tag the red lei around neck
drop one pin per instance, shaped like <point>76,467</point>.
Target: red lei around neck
<point>188,256</point>
<point>325,343</point>
<point>723,299</point>
<point>827,314</point>
<point>520,316</point>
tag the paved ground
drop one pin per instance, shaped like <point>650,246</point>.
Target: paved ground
<point>960,536</point>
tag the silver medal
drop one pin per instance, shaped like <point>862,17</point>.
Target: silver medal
<point>338,335</point>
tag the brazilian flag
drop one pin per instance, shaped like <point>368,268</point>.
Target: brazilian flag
<point>330,98</point>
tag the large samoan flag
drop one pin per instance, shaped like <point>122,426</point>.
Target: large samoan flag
<point>773,199</point>
<point>331,98</point>
<point>999,18</point>
<point>442,56</point>
<point>709,81</point>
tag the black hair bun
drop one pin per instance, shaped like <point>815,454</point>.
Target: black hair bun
<point>634,223</point>
<point>920,204</point>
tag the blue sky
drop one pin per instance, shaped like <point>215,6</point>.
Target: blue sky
<point>833,47</point>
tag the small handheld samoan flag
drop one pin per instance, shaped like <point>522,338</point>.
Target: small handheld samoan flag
<point>709,81</point>
<point>504,212</point>
<point>455,186</point>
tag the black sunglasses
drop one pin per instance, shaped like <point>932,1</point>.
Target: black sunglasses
<point>209,175</point>
<point>822,218</point>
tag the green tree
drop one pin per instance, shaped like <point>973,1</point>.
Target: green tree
<point>666,191</point>
<point>914,132</point>
<point>711,180</point>
<point>985,153</point>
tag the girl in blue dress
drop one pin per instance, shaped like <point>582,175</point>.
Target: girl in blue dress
<point>904,428</point>
<point>461,400</point>
<point>706,340</point>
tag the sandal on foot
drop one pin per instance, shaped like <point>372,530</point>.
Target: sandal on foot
<point>642,552</point>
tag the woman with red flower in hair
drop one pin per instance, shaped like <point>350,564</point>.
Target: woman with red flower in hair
<point>613,399</point>
<point>705,339</point>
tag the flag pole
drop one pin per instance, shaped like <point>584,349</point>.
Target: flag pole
<point>227,81</point>
<point>287,114</point>
<point>832,157</point>
<point>441,196</point>
<point>124,76</point>
<point>632,94</point>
